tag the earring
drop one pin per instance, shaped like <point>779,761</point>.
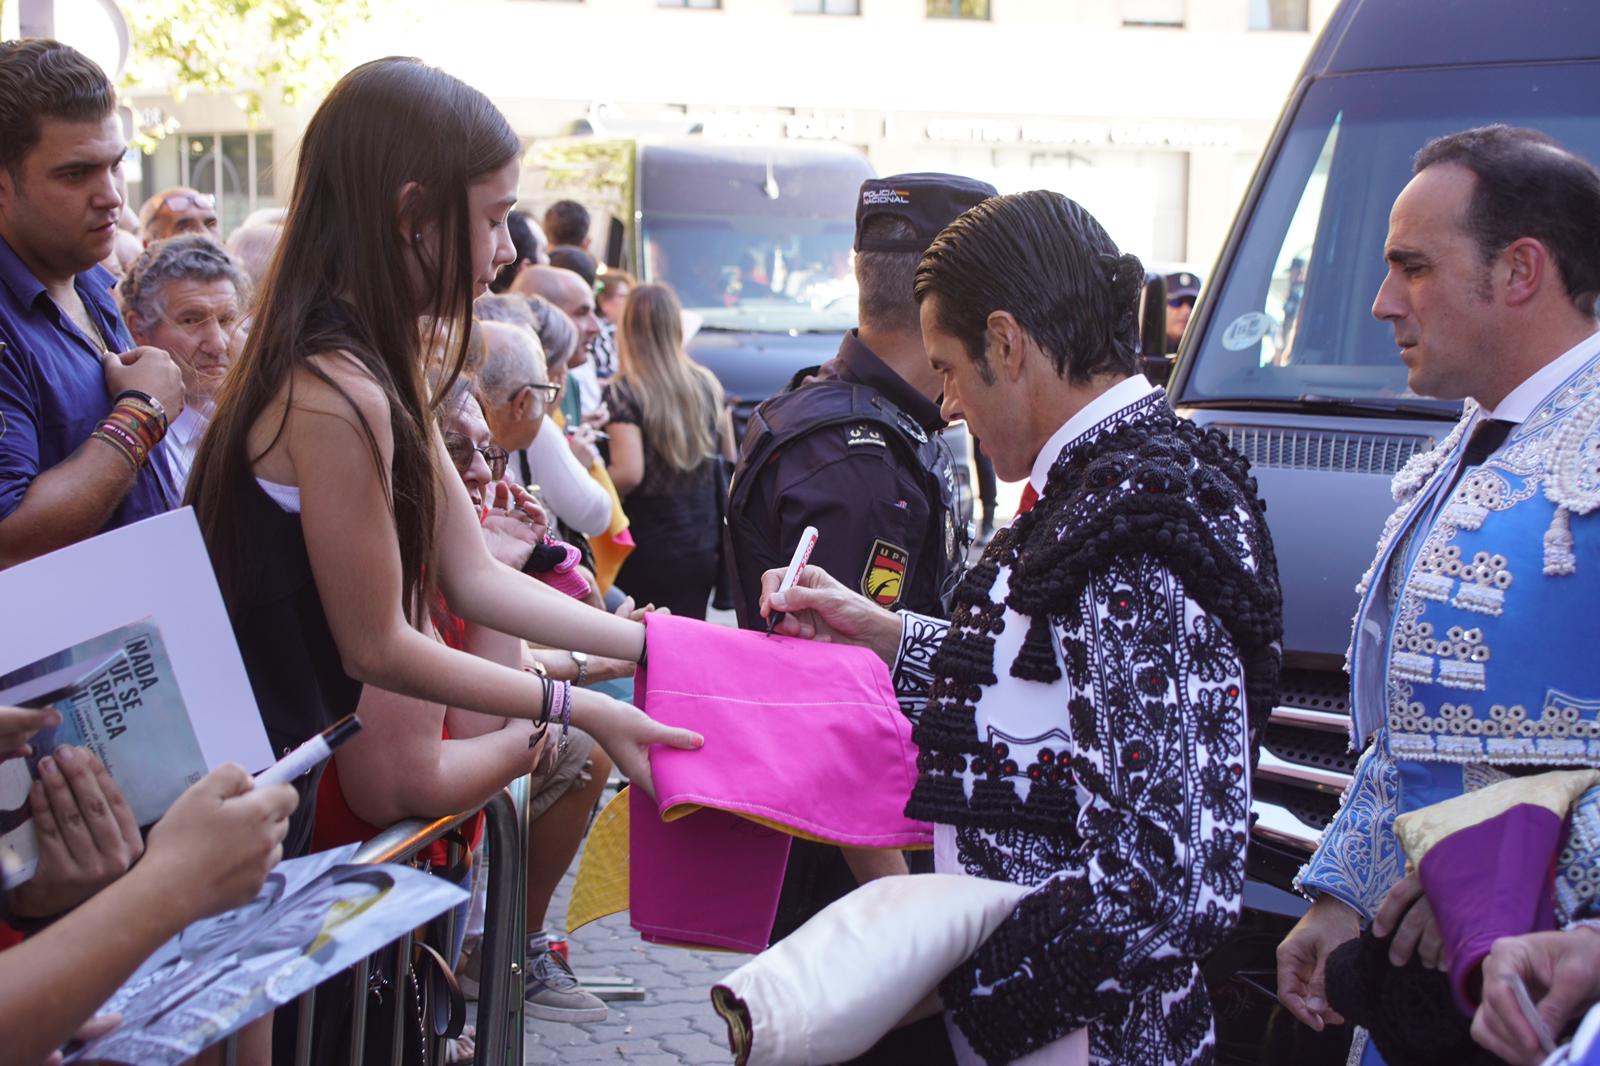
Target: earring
<point>416,238</point>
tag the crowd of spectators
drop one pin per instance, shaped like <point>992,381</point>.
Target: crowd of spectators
<point>158,310</point>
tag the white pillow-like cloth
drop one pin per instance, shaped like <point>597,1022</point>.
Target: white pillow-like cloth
<point>829,991</point>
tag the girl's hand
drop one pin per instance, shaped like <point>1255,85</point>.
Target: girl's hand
<point>627,733</point>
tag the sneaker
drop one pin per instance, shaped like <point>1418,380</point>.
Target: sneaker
<point>553,994</point>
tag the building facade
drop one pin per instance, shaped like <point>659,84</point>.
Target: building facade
<point>1150,112</point>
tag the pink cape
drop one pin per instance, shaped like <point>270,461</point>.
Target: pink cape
<point>802,738</point>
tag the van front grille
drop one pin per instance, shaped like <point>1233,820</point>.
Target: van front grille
<point>1309,449</point>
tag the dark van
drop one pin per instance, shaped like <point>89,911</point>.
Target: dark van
<point>1284,356</point>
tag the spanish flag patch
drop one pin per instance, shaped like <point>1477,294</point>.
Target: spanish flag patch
<point>884,580</point>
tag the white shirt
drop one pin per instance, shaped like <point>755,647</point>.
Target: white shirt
<point>1092,414</point>
<point>576,498</point>
<point>184,436</point>
<point>1523,400</point>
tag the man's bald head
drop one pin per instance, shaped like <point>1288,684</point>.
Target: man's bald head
<point>179,210</point>
<point>568,291</point>
<point>560,286</point>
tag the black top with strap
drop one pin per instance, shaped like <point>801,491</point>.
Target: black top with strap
<point>289,652</point>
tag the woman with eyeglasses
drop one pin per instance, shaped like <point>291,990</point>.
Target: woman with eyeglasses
<point>668,429</point>
<point>324,487</point>
<point>187,296</point>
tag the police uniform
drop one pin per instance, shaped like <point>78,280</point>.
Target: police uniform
<point>859,456</point>
<point>856,451</point>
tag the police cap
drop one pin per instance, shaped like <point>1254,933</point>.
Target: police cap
<point>1182,284</point>
<point>930,202</point>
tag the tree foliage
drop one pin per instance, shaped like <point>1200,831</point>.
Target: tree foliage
<point>246,49</point>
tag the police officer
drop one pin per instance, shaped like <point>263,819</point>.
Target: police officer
<point>1183,289</point>
<point>857,453</point>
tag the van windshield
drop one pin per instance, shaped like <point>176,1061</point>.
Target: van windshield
<point>1293,319</point>
<point>770,274</point>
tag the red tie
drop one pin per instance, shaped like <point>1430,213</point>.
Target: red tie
<point>1029,498</point>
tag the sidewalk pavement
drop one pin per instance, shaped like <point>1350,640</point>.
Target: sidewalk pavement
<point>674,1023</point>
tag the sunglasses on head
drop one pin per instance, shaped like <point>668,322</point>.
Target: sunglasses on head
<point>183,201</point>
<point>461,449</point>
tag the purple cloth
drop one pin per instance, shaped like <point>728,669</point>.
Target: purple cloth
<point>1489,880</point>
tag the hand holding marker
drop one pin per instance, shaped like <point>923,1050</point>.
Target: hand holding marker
<point>309,755</point>
<point>802,555</point>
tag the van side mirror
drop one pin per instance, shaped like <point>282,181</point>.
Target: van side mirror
<point>1154,362</point>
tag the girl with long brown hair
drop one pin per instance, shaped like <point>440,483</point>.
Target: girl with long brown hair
<point>321,486</point>
<point>668,429</point>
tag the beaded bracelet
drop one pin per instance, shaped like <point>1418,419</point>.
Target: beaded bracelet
<point>564,698</point>
<point>134,426</point>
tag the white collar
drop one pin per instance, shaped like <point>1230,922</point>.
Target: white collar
<point>1122,394</point>
<point>189,424</point>
<point>1521,401</point>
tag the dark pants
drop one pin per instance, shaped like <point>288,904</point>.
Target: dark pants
<point>680,581</point>
<point>675,562</point>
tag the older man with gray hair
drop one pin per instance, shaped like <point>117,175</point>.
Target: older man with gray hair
<point>515,393</point>
<point>186,295</point>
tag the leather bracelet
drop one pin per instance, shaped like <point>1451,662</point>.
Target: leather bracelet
<point>548,687</point>
<point>156,405</point>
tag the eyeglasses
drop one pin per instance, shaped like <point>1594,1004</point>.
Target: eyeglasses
<point>546,391</point>
<point>461,450</point>
<point>182,201</point>
<point>1178,301</point>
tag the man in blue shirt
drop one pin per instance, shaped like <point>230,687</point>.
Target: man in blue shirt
<point>67,357</point>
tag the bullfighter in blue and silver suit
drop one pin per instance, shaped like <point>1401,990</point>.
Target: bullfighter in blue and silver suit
<point>1473,655</point>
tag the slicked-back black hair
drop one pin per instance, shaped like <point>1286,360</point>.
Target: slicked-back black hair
<point>1044,259</point>
<point>1528,185</point>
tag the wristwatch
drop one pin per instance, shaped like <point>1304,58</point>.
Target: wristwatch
<point>582,662</point>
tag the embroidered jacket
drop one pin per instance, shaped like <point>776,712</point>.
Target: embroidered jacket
<point>1085,731</point>
<point>1471,654</point>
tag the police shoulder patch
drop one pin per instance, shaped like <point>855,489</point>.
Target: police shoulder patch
<point>884,579</point>
<point>864,435</point>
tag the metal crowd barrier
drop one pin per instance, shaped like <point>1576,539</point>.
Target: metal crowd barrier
<point>500,1005</point>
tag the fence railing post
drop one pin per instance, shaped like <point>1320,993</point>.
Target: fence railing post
<point>500,976</point>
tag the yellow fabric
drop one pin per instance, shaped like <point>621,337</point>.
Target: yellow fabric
<point>601,887</point>
<point>609,555</point>
<point>1556,791</point>
<point>683,810</point>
